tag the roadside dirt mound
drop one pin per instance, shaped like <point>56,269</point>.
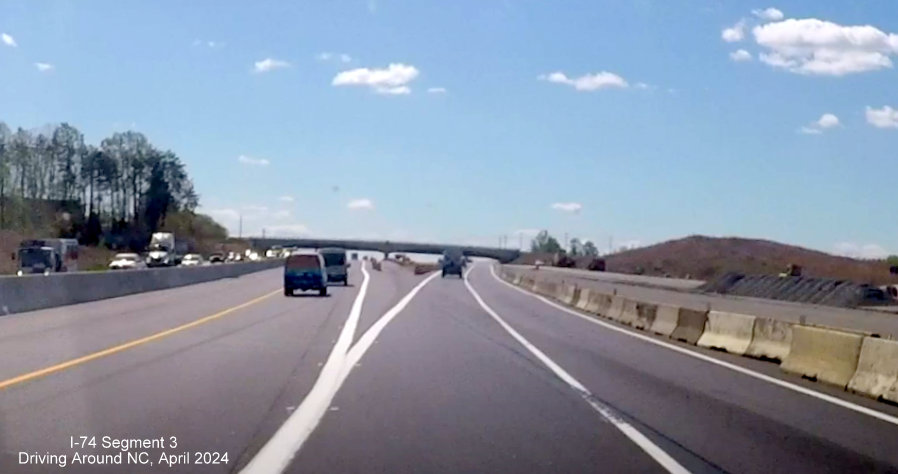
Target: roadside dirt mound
<point>709,258</point>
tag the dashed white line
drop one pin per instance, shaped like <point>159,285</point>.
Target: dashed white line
<point>650,448</point>
<point>742,370</point>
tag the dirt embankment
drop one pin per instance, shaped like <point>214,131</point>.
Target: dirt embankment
<point>707,258</point>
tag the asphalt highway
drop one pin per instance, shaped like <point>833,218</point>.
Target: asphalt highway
<point>402,373</point>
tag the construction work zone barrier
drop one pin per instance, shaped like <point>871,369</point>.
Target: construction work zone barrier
<point>629,313</point>
<point>616,309</point>
<point>570,294</point>
<point>546,288</point>
<point>690,325</point>
<point>666,318</point>
<point>517,279</point>
<point>826,355</point>
<point>731,332</point>
<point>528,283</point>
<point>598,303</point>
<point>583,299</point>
<point>877,369</point>
<point>645,315</point>
<point>771,339</point>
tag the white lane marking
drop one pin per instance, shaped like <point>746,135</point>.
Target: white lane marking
<point>370,336</point>
<point>276,454</point>
<point>773,380</point>
<point>656,453</point>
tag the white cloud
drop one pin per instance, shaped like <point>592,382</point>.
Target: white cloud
<point>269,64</point>
<point>327,56</point>
<point>286,199</point>
<point>436,90</point>
<point>734,33</point>
<point>769,14</point>
<point>363,203</point>
<point>392,80</point>
<point>249,160</point>
<point>828,121</point>
<point>252,208</point>
<point>281,214</point>
<point>885,117</point>
<point>817,47</point>
<point>587,82</point>
<point>571,207</point>
<point>44,67</point>
<point>817,127</point>
<point>740,55</point>
<point>855,250</point>
<point>8,40</point>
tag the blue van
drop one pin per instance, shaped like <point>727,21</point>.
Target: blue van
<point>305,271</point>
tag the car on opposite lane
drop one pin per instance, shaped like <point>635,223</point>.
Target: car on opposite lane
<point>305,271</point>
<point>192,260</point>
<point>126,261</point>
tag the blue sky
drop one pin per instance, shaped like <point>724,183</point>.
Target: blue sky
<point>633,120</point>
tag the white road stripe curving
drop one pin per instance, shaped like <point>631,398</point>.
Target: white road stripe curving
<point>655,452</point>
<point>742,370</point>
<point>276,454</point>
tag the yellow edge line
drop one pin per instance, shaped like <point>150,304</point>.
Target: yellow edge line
<point>121,347</point>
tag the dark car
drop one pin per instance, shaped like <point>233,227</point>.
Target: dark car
<point>452,263</point>
<point>305,271</point>
<point>217,257</point>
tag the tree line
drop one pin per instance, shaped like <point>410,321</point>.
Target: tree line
<point>117,192</point>
<point>545,243</point>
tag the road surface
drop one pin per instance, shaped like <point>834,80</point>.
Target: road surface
<point>405,373</point>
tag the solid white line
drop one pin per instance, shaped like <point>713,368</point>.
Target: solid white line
<point>766,378</point>
<point>276,454</point>
<point>655,452</point>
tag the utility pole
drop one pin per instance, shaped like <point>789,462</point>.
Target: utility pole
<point>520,241</point>
<point>565,241</point>
<point>240,229</point>
<point>263,232</point>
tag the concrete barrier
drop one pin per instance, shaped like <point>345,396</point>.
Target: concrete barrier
<point>877,368</point>
<point>771,339</point>
<point>690,325</point>
<point>615,309</point>
<point>570,295</point>
<point>527,283</point>
<point>666,318</point>
<point>33,292</point>
<point>517,279</point>
<point>583,299</point>
<point>598,303</point>
<point>546,288</point>
<point>827,355</point>
<point>645,315</point>
<point>731,332</point>
<point>629,312</point>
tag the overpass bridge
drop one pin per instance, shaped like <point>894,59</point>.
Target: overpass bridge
<point>388,247</point>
